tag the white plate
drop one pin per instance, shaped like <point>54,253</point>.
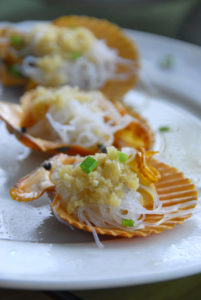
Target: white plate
<point>38,252</point>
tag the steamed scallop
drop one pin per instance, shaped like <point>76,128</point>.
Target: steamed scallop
<point>69,120</point>
<point>79,51</point>
<point>120,193</point>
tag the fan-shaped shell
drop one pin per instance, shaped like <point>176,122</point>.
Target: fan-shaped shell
<point>137,134</point>
<point>177,194</point>
<point>115,38</point>
<point>9,58</point>
<point>173,189</point>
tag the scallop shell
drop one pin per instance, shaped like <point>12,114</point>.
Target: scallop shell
<point>9,58</point>
<point>176,193</point>
<point>116,39</point>
<point>36,183</point>
<point>4,45</point>
<point>8,79</point>
<point>173,189</point>
<point>102,29</point>
<point>137,134</point>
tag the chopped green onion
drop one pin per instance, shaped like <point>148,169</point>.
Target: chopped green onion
<point>164,128</point>
<point>167,62</point>
<point>122,157</point>
<point>15,70</point>
<point>75,55</point>
<point>128,222</point>
<point>88,165</point>
<point>72,26</point>
<point>16,41</point>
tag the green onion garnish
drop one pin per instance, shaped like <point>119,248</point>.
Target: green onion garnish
<point>15,70</point>
<point>16,41</point>
<point>128,222</point>
<point>88,165</point>
<point>167,62</point>
<point>122,157</point>
<point>164,128</point>
<point>75,55</point>
<point>72,26</point>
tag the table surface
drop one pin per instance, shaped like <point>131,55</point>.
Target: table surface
<point>184,289</point>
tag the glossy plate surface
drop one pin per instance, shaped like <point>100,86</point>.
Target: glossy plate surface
<point>36,251</point>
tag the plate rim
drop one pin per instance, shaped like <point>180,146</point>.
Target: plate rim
<point>128,281</point>
<point>29,283</point>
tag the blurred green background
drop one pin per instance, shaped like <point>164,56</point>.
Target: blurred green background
<point>175,18</point>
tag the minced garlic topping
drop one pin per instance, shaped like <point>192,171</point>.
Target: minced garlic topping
<point>72,116</point>
<point>56,56</point>
<point>55,47</point>
<point>47,39</point>
<point>45,98</point>
<point>105,185</point>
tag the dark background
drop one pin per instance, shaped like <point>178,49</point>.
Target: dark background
<point>175,18</point>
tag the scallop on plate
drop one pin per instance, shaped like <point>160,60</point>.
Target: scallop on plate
<point>119,193</point>
<point>79,51</point>
<point>47,241</point>
<point>66,119</point>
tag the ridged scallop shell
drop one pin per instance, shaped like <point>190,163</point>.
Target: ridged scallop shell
<point>115,38</point>
<point>9,58</point>
<point>176,193</point>
<point>173,189</point>
<point>102,29</point>
<point>8,79</point>
<point>137,134</point>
